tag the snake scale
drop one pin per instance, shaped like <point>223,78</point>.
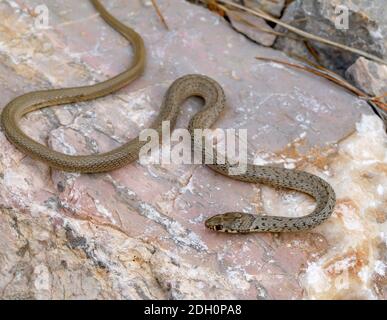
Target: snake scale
<point>183,88</point>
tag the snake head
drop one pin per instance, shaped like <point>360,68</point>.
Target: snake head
<point>232,222</point>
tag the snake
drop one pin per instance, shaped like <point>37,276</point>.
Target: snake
<point>181,89</point>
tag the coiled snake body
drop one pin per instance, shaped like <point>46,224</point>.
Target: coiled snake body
<point>179,91</point>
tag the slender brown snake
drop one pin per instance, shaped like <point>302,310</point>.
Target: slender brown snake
<point>179,91</point>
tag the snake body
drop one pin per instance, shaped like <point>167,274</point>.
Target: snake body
<point>181,89</point>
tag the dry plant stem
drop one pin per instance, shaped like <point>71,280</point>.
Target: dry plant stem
<point>306,60</point>
<point>378,100</point>
<point>302,33</point>
<point>312,51</point>
<point>380,97</point>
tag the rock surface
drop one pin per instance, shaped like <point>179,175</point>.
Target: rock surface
<point>253,27</point>
<point>274,7</point>
<point>367,30</point>
<point>137,232</point>
<point>371,78</point>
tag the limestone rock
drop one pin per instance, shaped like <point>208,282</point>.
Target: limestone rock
<point>253,27</point>
<point>371,77</point>
<point>274,7</point>
<point>367,29</point>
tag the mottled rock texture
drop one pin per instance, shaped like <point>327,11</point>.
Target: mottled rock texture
<point>369,76</point>
<point>367,30</point>
<point>274,7</point>
<point>253,27</point>
<point>137,232</point>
